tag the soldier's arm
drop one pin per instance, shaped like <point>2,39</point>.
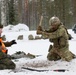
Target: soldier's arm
<point>56,34</point>
<point>7,44</point>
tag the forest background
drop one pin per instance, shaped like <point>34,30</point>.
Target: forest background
<point>29,12</point>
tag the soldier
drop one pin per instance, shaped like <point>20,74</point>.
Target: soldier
<point>5,62</point>
<point>59,36</point>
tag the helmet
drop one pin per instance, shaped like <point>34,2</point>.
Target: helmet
<point>54,20</point>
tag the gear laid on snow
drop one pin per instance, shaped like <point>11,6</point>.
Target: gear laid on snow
<point>22,69</point>
<point>56,70</point>
<point>20,54</point>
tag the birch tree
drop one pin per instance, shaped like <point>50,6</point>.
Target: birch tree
<point>3,12</point>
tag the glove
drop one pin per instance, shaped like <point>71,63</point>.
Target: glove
<point>39,32</point>
<point>70,37</point>
<point>14,42</point>
<point>39,28</point>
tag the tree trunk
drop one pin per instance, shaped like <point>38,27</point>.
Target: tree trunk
<point>3,13</point>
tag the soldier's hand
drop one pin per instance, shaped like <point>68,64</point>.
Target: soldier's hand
<point>13,42</point>
<point>39,32</point>
<point>70,37</point>
<point>39,28</point>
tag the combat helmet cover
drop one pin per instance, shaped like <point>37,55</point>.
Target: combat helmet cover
<point>54,20</point>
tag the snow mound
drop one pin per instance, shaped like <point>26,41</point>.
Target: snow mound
<point>16,28</point>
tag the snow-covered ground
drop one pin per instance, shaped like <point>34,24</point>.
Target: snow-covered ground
<point>36,47</point>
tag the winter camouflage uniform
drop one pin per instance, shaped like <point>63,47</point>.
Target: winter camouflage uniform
<point>59,38</point>
<point>5,62</point>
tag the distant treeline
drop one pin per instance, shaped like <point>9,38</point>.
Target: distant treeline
<point>29,12</point>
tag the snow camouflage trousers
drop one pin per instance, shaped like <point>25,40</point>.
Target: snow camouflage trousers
<point>6,64</point>
<point>62,53</point>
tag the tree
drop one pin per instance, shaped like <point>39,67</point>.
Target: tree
<point>11,12</point>
<point>3,12</point>
<point>29,12</point>
<point>62,9</point>
<point>74,10</point>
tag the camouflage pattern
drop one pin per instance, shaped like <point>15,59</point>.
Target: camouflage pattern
<point>5,63</point>
<point>60,48</point>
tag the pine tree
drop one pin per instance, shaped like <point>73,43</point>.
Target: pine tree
<point>11,12</point>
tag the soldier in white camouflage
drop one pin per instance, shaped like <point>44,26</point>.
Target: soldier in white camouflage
<point>59,36</point>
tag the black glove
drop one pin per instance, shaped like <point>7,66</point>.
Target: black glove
<point>14,42</point>
<point>70,37</point>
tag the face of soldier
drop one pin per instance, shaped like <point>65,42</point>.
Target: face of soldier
<point>54,26</point>
<point>0,31</point>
